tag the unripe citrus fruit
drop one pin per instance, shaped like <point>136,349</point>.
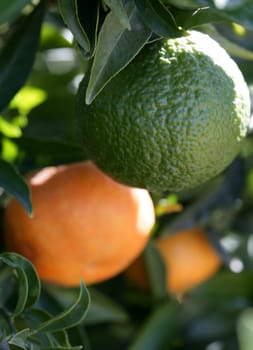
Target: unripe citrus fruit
<point>85,225</point>
<point>189,259</point>
<point>172,119</point>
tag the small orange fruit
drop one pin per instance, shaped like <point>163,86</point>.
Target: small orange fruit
<point>189,259</point>
<point>85,225</point>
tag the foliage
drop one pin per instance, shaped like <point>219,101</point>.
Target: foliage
<point>46,47</point>
<point>23,324</point>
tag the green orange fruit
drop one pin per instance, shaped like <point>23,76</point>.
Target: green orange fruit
<point>174,118</point>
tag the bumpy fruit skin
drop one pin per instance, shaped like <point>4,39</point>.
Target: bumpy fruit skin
<point>189,259</point>
<point>85,225</point>
<point>172,119</point>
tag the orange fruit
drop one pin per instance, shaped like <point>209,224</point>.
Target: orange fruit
<point>161,122</point>
<point>189,259</point>
<point>85,225</point>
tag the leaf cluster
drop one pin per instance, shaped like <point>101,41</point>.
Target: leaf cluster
<point>23,324</point>
<point>118,34</point>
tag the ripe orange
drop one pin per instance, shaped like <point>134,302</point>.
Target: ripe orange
<point>85,225</point>
<point>189,259</point>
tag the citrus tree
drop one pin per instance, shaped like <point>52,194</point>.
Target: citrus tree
<point>149,101</point>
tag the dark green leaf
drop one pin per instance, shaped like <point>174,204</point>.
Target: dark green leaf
<point>88,14</point>
<point>69,13</point>
<point>104,309</point>
<point>70,317</point>
<point>33,319</point>
<point>14,184</point>
<point>156,270</point>
<point>242,15</point>
<point>119,11</point>
<point>157,18</point>
<point>53,120</point>
<point>9,10</point>
<point>45,151</point>
<point>193,18</point>
<point>225,285</point>
<point>18,54</point>
<point>101,309</point>
<point>116,47</point>
<point>29,283</point>
<point>156,334</point>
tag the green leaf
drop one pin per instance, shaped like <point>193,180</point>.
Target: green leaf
<point>242,15</point>
<point>119,11</point>
<point>156,333</point>
<point>88,14</point>
<point>45,151</point>
<point>225,285</point>
<point>245,329</point>
<point>192,18</point>
<point>232,48</point>
<point>14,184</point>
<point>29,283</point>
<point>33,319</point>
<point>101,309</point>
<point>9,10</point>
<point>157,18</point>
<point>156,270</point>
<point>116,47</point>
<point>70,317</point>
<point>53,120</point>
<point>69,13</point>
<point>18,54</point>
<point>19,339</point>
<point>104,309</point>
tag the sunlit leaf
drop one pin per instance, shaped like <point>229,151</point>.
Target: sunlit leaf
<point>28,98</point>
<point>116,47</point>
<point>9,129</point>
